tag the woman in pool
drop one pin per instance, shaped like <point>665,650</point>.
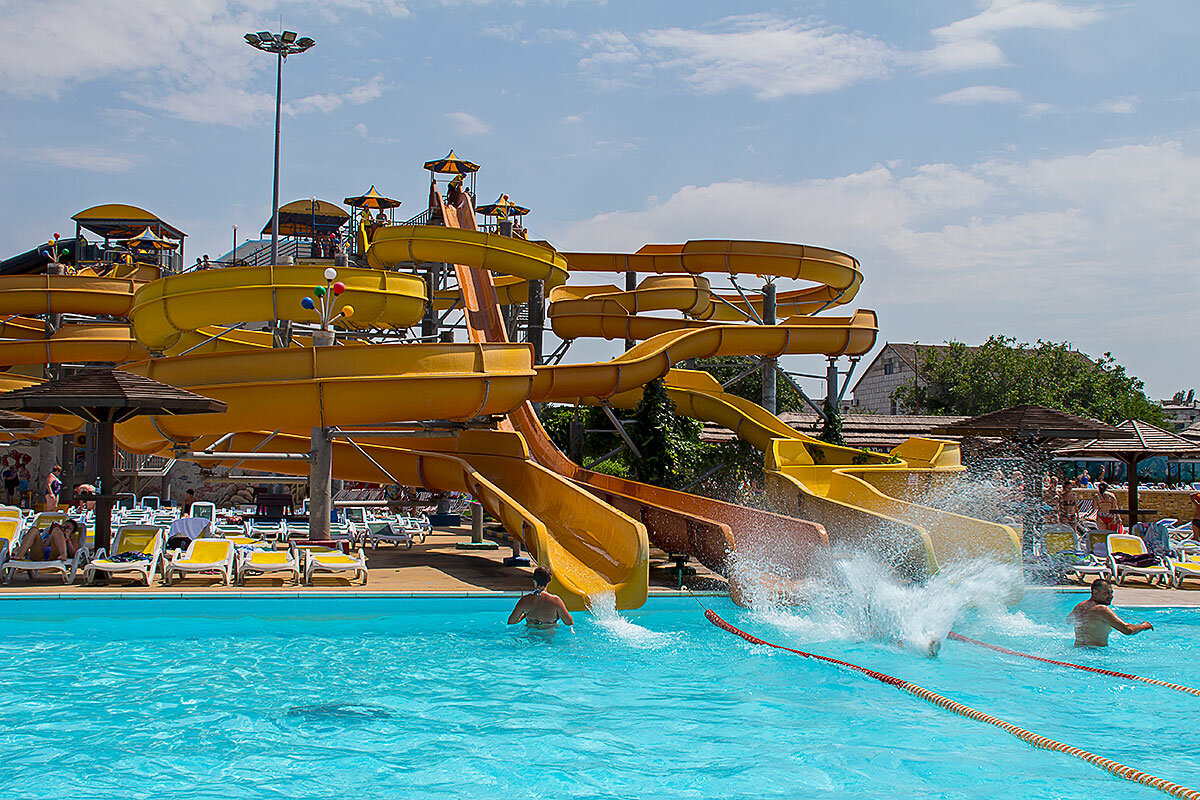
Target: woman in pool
<point>539,608</point>
<point>59,542</point>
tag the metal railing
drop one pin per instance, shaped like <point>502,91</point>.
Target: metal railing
<point>420,219</point>
<point>142,465</point>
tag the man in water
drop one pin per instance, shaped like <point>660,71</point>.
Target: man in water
<point>1094,619</point>
<point>539,608</point>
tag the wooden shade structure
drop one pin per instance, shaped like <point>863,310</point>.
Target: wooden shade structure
<point>106,397</point>
<point>1033,428</point>
<point>1142,441</point>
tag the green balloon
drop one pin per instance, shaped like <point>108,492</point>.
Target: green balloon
<point>319,291</point>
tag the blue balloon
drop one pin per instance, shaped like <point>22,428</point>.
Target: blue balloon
<point>308,303</point>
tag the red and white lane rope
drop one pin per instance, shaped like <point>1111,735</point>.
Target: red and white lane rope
<point>958,637</point>
<point>1116,768</point>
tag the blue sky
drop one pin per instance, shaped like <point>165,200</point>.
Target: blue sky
<point>1026,167</point>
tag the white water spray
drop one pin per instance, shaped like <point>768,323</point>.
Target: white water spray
<point>859,599</point>
<point>604,609</point>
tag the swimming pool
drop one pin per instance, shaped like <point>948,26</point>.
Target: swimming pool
<point>397,698</point>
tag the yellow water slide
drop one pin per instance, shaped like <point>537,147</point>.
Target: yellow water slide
<point>874,497</point>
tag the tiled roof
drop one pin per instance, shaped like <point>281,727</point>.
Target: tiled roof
<point>875,431</point>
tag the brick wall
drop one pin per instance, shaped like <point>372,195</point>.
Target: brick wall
<point>1165,503</point>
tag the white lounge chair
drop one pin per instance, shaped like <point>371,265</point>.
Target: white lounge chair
<point>68,568</point>
<point>212,556</point>
<point>331,561</point>
<point>1133,545</point>
<point>144,539</point>
<point>266,562</point>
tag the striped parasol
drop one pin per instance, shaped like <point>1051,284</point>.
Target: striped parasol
<point>372,199</point>
<point>451,165</point>
<point>148,240</point>
<point>503,208</point>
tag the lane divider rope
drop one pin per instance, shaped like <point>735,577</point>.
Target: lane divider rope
<point>1124,675</point>
<point>1116,768</point>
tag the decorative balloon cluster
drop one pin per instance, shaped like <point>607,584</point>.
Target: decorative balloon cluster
<point>52,253</point>
<point>325,297</point>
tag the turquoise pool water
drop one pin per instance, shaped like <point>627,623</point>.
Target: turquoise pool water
<point>378,698</point>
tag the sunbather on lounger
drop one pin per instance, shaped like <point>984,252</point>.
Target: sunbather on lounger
<point>539,608</point>
<point>1094,619</point>
<point>57,543</point>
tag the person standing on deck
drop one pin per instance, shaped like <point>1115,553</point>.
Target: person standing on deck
<point>1106,505</point>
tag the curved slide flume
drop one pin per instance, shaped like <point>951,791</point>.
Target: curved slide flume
<point>874,497</point>
<point>711,530</point>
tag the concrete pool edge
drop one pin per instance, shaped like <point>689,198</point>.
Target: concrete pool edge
<point>275,594</point>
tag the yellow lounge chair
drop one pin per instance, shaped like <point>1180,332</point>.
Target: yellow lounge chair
<point>1185,569</point>
<point>331,561</point>
<point>144,539</point>
<point>1134,546</point>
<point>67,568</point>
<point>264,562</point>
<point>203,556</point>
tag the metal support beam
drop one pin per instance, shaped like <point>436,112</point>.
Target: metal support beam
<point>846,382</point>
<point>368,457</point>
<point>704,477</point>
<point>608,412</point>
<point>605,457</point>
<point>741,375</point>
<point>336,433</point>
<point>430,322</point>
<point>749,305</point>
<point>831,383</point>
<point>820,411</point>
<point>769,365</point>
<point>240,457</point>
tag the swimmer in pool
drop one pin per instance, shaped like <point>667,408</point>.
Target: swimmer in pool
<point>539,608</point>
<point>1094,619</point>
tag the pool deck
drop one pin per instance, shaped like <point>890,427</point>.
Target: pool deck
<point>435,566</point>
<point>438,567</point>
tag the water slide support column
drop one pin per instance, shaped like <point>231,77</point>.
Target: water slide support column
<point>320,468</point>
<point>768,364</point>
<point>537,318</point>
<point>429,323</point>
<point>831,382</point>
<point>630,285</point>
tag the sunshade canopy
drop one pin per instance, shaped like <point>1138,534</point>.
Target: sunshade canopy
<point>147,240</point>
<point>451,165</point>
<point>120,221</point>
<point>15,422</point>
<point>1031,422</point>
<point>308,218</point>
<point>503,207</point>
<point>107,395</point>
<point>372,199</point>
<point>1143,440</point>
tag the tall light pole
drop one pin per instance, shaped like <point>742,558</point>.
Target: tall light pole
<point>282,45</point>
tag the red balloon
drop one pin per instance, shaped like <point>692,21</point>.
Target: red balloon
<point>339,287</point>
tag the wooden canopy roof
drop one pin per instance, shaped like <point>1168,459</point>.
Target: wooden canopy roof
<point>1032,422</point>
<point>1143,440</point>
<point>107,395</point>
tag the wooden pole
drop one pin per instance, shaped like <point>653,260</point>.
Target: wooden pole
<point>107,487</point>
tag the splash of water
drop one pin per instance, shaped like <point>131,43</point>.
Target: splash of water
<point>858,598</point>
<point>604,609</point>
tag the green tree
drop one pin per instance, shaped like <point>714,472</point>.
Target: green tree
<point>1003,372</point>
<point>654,434</point>
<point>831,426</point>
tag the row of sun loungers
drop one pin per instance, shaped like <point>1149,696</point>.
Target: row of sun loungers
<point>1177,558</point>
<point>231,552</point>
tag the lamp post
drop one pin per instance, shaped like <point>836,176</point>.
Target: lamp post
<point>282,45</point>
<point>233,253</point>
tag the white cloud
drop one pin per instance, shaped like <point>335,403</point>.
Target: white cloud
<point>974,95</point>
<point>87,158</point>
<point>185,59</point>
<point>1034,248</point>
<point>1042,109</point>
<point>571,119</point>
<point>970,43</point>
<point>361,130</point>
<point>468,124</point>
<point>773,57</point>
<point>1119,105</point>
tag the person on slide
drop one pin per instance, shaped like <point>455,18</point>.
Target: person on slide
<point>539,608</point>
<point>1094,618</point>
